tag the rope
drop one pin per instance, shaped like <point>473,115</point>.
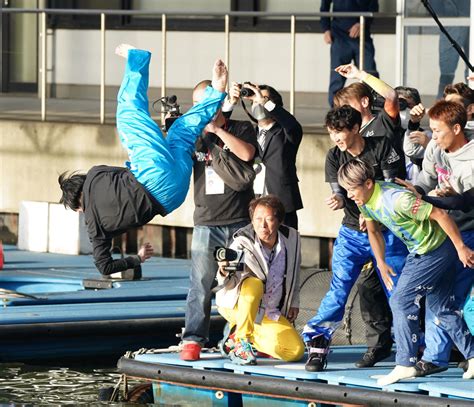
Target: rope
<point>170,349</point>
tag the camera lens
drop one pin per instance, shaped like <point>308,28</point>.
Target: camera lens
<point>402,103</point>
<point>245,92</point>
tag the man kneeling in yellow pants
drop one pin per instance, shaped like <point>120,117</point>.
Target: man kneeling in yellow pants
<point>261,301</point>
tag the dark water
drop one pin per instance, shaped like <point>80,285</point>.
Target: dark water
<point>22,384</point>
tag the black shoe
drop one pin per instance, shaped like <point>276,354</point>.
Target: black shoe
<point>463,364</point>
<point>318,349</point>
<point>373,356</point>
<point>424,368</point>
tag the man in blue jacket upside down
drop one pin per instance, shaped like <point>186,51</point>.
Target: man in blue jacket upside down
<point>158,172</point>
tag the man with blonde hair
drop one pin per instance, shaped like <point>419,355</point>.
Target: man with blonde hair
<point>434,243</point>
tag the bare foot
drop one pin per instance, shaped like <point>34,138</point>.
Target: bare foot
<point>122,50</point>
<point>219,76</point>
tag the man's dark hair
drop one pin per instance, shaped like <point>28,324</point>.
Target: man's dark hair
<point>71,185</point>
<point>270,201</point>
<point>405,92</point>
<point>273,94</point>
<point>461,89</point>
<point>344,117</point>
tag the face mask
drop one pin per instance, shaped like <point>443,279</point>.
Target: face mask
<point>405,118</point>
<point>258,111</point>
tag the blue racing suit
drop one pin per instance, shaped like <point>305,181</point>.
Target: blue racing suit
<point>438,341</point>
<point>162,165</point>
<point>351,251</point>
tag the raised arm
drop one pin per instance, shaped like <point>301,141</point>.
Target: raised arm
<point>391,105</point>
<point>291,127</point>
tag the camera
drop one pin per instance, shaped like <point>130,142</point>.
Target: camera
<point>170,107</point>
<point>246,92</point>
<point>234,257</point>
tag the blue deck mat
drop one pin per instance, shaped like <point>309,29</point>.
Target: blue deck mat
<point>275,368</point>
<point>140,290</point>
<point>56,282</point>
<point>368,378</point>
<point>341,357</point>
<point>69,266</point>
<point>207,361</point>
<point>458,389</point>
<point>37,273</point>
<point>92,312</point>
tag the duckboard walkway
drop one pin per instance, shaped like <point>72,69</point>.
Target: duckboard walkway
<point>216,381</point>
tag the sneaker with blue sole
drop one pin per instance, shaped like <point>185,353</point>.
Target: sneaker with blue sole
<point>243,353</point>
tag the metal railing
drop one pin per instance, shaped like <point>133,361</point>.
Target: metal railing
<point>43,13</point>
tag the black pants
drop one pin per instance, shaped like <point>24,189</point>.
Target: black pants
<point>374,310</point>
<point>291,219</point>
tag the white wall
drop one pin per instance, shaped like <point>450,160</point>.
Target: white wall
<point>33,154</point>
<point>258,57</point>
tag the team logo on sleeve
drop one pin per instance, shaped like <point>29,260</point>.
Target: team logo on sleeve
<point>393,156</point>
<point>416,206</point>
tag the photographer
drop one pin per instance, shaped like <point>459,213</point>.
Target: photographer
<point>262,301</point>
<point>219,212</point>
<point>279,136</point>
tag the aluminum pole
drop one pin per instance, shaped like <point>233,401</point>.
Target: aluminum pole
<point>471,41</point>
<point>293,63</point>
<point>102,68</point>
<point>400,44</point>
<point>227,45</point>
<point>400,52</point>
<point>163,62</point>
<point>361,42</point>
<point>43,67</point>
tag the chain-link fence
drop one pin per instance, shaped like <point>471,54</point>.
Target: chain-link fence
<point>314,286</point>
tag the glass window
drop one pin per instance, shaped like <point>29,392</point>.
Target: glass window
<point>213,6</point>
<point>285,6</point>
<point>443,8</point>
<point>431,61</point>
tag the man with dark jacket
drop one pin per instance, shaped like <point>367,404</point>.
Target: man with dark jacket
<point>343,33</point>
<point>219,212</point>
<point>156,179</point>
<point>279,135</point>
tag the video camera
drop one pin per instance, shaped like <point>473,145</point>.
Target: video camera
<point>170,107</point>
<point>234,257</point>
